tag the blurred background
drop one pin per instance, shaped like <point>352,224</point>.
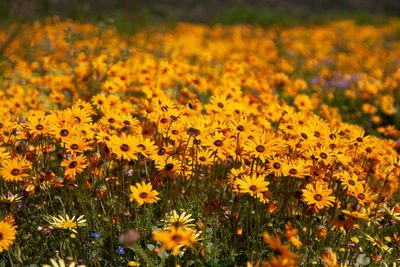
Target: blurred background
<point>128,15</point>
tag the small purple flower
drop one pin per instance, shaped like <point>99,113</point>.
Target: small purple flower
<point>121,250</point>
<point>94,234</point>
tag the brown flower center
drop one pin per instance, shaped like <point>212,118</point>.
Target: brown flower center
<point>361,196</point>
<point>169,166</point>
<point>124,147</point>
<point>143,195</point>
<point>39,127</point>
<point>74,146</point>
<point>64,132</point>
<point>359,139</point>
<point>317,197</point>
<point>323,155</point>
<point>176,237</point>
<point>304,135</point>
<point>15,172</point>
<point>276,165</point>
<point>218,143</point>
<point>352,182</point>
<point>240,128</point>
<point>127,122</point>
<point>73,164</point>
<point>163,120</point>
<point>193,132</point>
<point>253,188</point>
<point>260,148</point>
<point>293,171</point>
<point>220,105</point>
<point>202,158</point>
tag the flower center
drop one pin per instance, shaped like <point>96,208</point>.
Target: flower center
<point>127,122</point>
<point>317,197</point>
<point>193,132</point>
<point>124,147</point>
<point>218,143</point>
<point>260,148</point>
<point>39,127</point>
<point>64,132</point>
<point>359,139</point>
<point>240,128</point>
<point>74,146</point>
<point>143,195</point>
<point>15,172</point>
<point>169,166</point>
<point>176,237</point>
<point>73,164</point>
<point>253,188</point>
<point>361,196</point>
<point>323,155</point>
<point>276,165</point>
<point>202,158</point>
<point>304,136</point>
<point>161,151</point>
<point>352,182</point>
<point>293,171</point>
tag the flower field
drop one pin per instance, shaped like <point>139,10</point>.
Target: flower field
<point>199,145</point>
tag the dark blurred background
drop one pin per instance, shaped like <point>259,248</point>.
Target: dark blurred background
<point>128,13</point>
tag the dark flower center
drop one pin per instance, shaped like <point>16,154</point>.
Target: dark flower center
<point>240,128</point>
<point>359,139</point>
<point>293,171</point>
<point>111,120</point>
<point>163,120</point>
<point>169,166</point>
<point>141,146</point>
<point>304,135</point>
<point>253,188</point>
<point>176,237</point>
<point>127,122</point>
<point>323,155</point>
<point>124,147</point>
<point>202,158</point>
<point>193,132</point>
<point>276,165</point>
<point>352,182</point>
<point>64,132</point>
<point>175,132</point>
<point>218,143</point>
<point>161,151</point>
<point>317,197</point>
<point>39,127</point>
<point>220,105</point>
<point>143,195</point>
<point>73,164</point>
<point>260,148</point>
<point>361,196</point>
<point>332,136</point>
<point>368,149</point>
<point>78,119</point>
<point>317,134</point>
<point>74,146</point>
<point>15,172</point>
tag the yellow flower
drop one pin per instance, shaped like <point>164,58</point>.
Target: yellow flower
<point>174,238</point>
<point>67,222</point>
<point>143,193</point>
<point>7,235</point>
